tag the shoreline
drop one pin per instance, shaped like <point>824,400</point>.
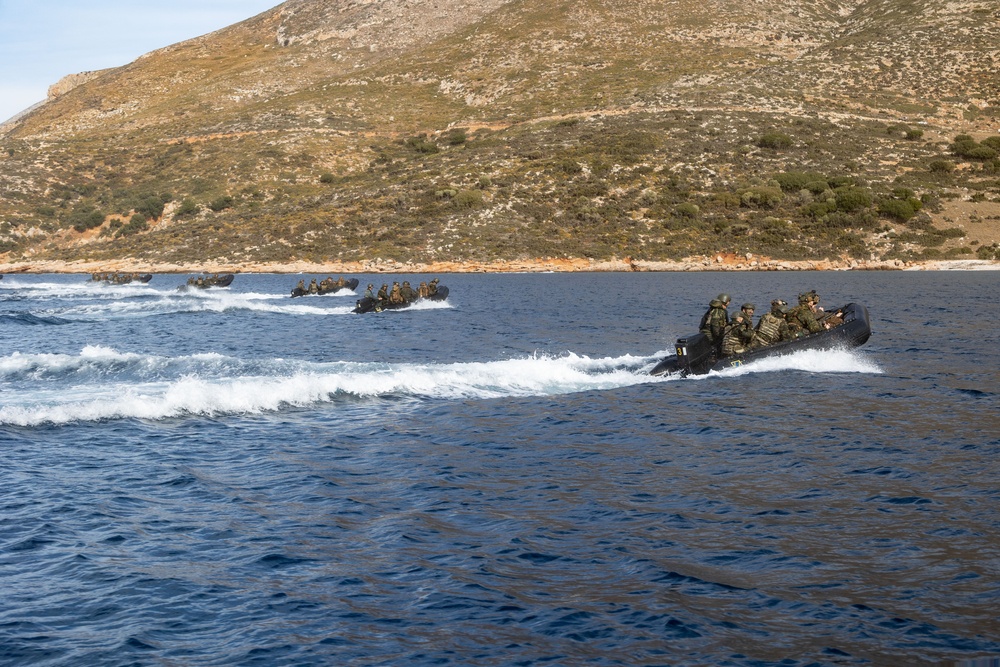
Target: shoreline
<point>722,262</point>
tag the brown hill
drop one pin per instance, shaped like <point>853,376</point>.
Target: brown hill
<point>483,130</point>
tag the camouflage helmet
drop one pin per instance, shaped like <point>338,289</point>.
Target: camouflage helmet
<point>778,303</point>
<point>724,298</point>
<point>805,298</point>
<point>748,306</point>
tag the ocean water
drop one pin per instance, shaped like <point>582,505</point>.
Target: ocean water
<point>235,477</point>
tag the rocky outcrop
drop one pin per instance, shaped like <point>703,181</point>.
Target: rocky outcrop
<point>71,81</point>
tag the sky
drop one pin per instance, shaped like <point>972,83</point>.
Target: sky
<point>41,41</point>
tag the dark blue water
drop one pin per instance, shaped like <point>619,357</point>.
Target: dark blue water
<point>237,477</point>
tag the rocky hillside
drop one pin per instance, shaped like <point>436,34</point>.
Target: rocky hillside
<point>421,130</point>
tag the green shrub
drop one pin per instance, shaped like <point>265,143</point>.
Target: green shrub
<point>913,135</point>
<point>850,199</point>
<point>187,208</point>
<point>137,223</point>
<point>793,181</point>
<point>988,252</point>
<point>941,166</point>
<point>457,137</point>
<point>221,203</point>
<point>841,181</point>
<point>467,199</point>
<point>992,142</point>
<point>569,166</point>
<point>421,145</point>
<point>963,137</point>
<point>326,178</point>
<point>970,150</point>
<point>761,197</point>
<point>86,217</point>
<point>150,206</point>
<point>687,210</point>
<point>819,209</point>
<point>774,140</point>
<point>897,209</point>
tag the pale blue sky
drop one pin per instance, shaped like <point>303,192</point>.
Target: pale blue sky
<point>42,41</point>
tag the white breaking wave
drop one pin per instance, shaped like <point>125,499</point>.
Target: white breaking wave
<point>815,361</point>
<point>132,386</point>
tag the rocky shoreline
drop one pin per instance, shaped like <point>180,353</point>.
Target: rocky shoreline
<point>722,262</point>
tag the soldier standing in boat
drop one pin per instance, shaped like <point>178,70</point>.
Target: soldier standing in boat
<point>715,320</point>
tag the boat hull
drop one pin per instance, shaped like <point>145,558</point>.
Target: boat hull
<point>695,355</point>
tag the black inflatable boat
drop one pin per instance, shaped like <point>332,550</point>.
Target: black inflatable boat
<point>696,355</point>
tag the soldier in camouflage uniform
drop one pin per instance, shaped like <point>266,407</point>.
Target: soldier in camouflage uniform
<point>738,336</point>
<point>772,327</point>
<point>715,320</point>
<point>802,318</point>
<point>407,292</point>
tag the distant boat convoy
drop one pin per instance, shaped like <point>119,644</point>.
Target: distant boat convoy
<point>400,296</point>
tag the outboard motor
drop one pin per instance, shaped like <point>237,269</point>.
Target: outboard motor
<point>694,353</point>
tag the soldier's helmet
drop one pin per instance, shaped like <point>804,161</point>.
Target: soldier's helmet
<point>436,280</point>
<point>724,298</point>
<point>805,298</point>
<point>748,306</point>
<point>778,303</point>
<point>406,283</point>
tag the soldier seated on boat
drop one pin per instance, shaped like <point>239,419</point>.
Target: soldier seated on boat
<point>396,294</point>
<point>802,318</point>
<point>340,282</point>
<point>313,287</point>
<point>370,291</point>
<point>407,292</point>
<point>423,291</point>
<point>432,287</point>
<point>738,336</point>
<point>772,327</point>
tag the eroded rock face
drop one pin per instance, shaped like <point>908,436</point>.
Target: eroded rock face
<point>71,81</point>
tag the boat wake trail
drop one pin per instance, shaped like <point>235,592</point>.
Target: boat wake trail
<point>814,361</point>
<point>102,384</point>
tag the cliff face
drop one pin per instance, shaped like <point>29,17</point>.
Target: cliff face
<point>71,81</point>
<point>506,128</point>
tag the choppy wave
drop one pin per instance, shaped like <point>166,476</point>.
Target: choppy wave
<point>21,317</point>
<point>102,384</point>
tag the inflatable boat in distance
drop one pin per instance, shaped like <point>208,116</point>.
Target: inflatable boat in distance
<point>696,355</point>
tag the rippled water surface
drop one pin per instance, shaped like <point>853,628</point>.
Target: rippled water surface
<point>237,477</point>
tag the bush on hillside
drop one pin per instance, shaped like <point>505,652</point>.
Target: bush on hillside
<point>774,140</point>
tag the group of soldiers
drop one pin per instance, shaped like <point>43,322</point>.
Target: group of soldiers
<point>737,334</point>
<point>400,294</point>
<point>115,278</point>
<point>204,281</point>
<point>323,286</point>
